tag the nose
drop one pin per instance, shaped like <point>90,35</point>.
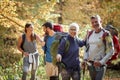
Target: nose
<point>93,23</point>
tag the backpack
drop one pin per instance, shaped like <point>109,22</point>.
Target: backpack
<point>57,28</point>
<point>23,40</point>
<point>115,43</point>
<point>114,33</point>
<point>54,47</point>
<point>116,48</point>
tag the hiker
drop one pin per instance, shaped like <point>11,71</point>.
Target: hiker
<point>51,70</point>
<point>114,33</point>
<point>99,48</point>
<point>29,51</point>
<point>70,58</point>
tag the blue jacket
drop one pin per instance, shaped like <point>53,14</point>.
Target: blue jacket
<point>71,58</point>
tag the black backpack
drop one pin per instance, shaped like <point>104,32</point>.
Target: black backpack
<point>23,40</point>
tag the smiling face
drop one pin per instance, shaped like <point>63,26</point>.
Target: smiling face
<point>46,30</point>
<point>73,31</point>
<point>29,29</point>
<point>96,22</point>
<point>47,27</point>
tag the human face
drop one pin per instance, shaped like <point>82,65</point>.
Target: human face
<point>96,23</point>
<point>73,31</point>
<point>45,30</point>
<point>30,29</point>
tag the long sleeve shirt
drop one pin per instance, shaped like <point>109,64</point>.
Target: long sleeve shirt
<point>71,57</point>
<point>97,50</point>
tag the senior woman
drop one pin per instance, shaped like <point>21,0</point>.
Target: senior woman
<point>71,58</point>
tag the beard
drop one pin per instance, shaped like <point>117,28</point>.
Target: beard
<point>46,32</point>
<point>97,25</point>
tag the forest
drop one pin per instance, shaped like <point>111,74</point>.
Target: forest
<point>14,14</point>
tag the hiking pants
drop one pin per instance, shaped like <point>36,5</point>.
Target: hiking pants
<point>24,76</point>
<point>26,67</point>
<point>51,70</point>
<point>66,75</point>
<point>96,73</point>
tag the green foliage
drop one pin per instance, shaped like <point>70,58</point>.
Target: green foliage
<point>83,31</point>
<point>10,64</point>
<point>15,13</point>
<point>7,12</point>
<point>80,11</point>
<point>115,62</point>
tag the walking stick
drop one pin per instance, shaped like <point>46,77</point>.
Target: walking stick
<point>84,67</point>
<point>85,64</point>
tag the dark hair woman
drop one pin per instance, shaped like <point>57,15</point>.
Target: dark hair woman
<point>29,50</point>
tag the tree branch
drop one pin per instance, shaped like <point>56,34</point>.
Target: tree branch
<point>12,20</point>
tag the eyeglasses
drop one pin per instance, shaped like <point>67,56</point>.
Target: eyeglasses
<point>73,29</point>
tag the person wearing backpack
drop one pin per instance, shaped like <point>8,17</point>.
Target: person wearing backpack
<point>51,70</point>
<point>114,33</point>
<point>28,47</point>
<point>99,48</point>
<point>70,58</point>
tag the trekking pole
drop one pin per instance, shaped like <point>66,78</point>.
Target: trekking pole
<point>84,67</point>
<point>86,63</point>
<point>59,67</point>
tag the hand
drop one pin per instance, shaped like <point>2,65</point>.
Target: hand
<point>83,64</point>
<point>97,64</point>
<point>42,43</point>
<point>25,53</point>
<point>58,57</point>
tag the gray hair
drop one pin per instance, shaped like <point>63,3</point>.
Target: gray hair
<point>74,25</point>
<point>96,17</point>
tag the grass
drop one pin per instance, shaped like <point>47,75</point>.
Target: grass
<point>110,75</point>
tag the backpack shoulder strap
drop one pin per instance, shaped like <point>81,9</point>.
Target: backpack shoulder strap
<point>77,40</point>
<point>23,37</point>
<point>89,33</point>
<point>87,38</point>
<point>23,40</point>
<point>67,44</point>
<point>45,39</point>
<point>105,34</point>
